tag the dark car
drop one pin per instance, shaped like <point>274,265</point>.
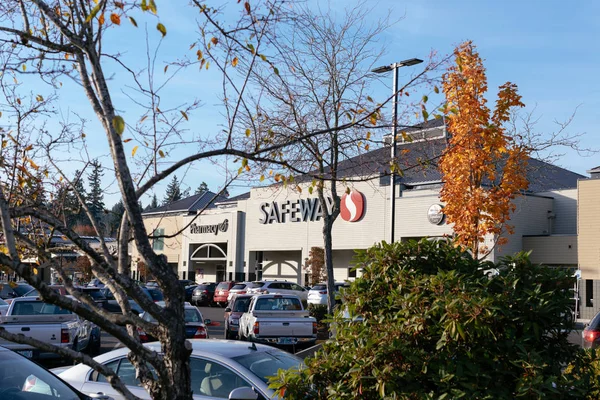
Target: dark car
<point>236,307</point>
<point>195,324</point>
<point>110,304</point>
<point>155,293</point>
<point>222,291</point>
<point>203,294</point>
<point>189,291</point>
<point>21,378</point>
<point>591,333</point>
<point>10,290</point>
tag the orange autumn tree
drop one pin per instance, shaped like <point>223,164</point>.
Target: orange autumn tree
<point>483,168</point>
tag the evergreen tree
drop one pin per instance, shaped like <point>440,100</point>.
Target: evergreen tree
<point>95,200</point>
<point>70,205</point>
<point>202,188</point>
<point>173,192</point>
<point>153,203</point>
<point>114,218</point>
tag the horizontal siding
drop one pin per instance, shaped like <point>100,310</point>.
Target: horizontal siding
<point>552,250</point>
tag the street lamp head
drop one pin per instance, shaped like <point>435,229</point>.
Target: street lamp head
<point>409,62</point>
<point>381,70</point>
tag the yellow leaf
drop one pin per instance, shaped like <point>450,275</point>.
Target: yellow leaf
<point>234,62</point>
<point>161,28</point>
<point>39,97</point>
<point>199,54</point>
<point>101,19</point>
<point>115,19</point>
<point>144,5</point>
<point>248,132</point>
<point>262,178</point>
<point>93,13</point>
<point>152,6</point>
<point>24,67</point>
<point>162,154</point>
<point>133,22</point>
<point>184,115</point>
<point>119,124</point>
<point>127,140</point>
<point>134,150</point>
<point>33,165</point>
<point>248,168</point>
<point>143,118</point>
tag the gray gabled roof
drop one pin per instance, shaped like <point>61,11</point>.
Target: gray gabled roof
<point>189,204</point>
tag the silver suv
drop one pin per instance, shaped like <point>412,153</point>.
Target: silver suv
<point>283,287</point>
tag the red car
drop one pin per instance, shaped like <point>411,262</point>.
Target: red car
<point>221,292</point>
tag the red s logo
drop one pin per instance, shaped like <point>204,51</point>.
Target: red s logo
<point>352,206</point>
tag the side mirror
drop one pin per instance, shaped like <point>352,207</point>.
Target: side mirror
<point>243,393</point>
<point>228,309</point>
<point>207,321</point>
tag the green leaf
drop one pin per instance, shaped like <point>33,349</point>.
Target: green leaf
<point>94,12</point>
<point>251,47</point>
<point>144,5</point>
<point>276,71</point>
<point>183,113</point>
<point>425,115</point>
<point>436,89</point>
<point>119,124</point>
<point>133,21</point>
<point>161,28</point>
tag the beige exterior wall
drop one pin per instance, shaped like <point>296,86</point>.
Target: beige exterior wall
<point>558,250</point>
<point>564,220</point>
<point>588,211</point>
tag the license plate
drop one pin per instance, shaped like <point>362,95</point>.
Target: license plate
<point>221,292</point>
<point>26,353</point>
<point>287,340</point>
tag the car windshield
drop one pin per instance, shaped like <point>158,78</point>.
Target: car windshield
<point>94,294</point>
<point>191,315</point>
<point>239,286</point>
<point>156,294</point>
<point>241,305</point>
<point>319,287</point>
<point>258,284</point>
<point>266,363</point>
<point>26,380</point>
<point>20,290</point>
<point>37,308</point>
<point>223,285</point>
<point>203,287</point>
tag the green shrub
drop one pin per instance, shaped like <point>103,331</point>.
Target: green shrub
<point>435,326</point>
<point>319,311</point>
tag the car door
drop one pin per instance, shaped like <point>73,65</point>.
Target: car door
<point>298,291</point>
<point>97,384</point>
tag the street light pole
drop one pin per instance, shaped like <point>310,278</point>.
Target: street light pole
<point>386,68</point>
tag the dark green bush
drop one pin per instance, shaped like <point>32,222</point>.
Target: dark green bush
<point>319,311</point>
<point>435,326</point>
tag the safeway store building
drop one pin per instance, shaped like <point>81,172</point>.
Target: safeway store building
<point>268,232</point>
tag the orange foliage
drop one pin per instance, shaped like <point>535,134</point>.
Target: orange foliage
<point>483,168</point>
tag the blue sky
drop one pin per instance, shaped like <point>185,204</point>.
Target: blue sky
<point>548,48</point>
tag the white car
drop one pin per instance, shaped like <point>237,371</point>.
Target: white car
<point>218,367</point>
<point>279,287</point>
<point>240,288</point>
<point>318,293</point>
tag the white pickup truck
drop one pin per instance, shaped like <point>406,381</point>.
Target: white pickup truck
<point>278,319</point>
<point>48,323</point>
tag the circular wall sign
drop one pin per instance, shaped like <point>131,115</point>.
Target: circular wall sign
<point>435,214</point>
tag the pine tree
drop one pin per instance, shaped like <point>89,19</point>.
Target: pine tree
<point>95,200</point>
<point>173,192</point>
<point>202,188</point>
<point>153,203</point>
<point>68,202</point>
<point>114,219</point>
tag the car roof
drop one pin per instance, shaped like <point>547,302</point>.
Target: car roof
<point>3,349</point>
<point>219,347</point>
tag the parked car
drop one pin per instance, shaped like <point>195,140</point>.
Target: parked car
<point>22,379</point>
<point>222,291</point>
<point>318,293</point>
<point>278,319</point>
<point>195,324</point>
<point>110,304</point>
<point>95,283</point>
<point>237,306</point>
<point>282,287</point>
<point>155,293</point>
<point>189,291</point>
<point>240,288</point>
<point>220,369</point>
<point>203,294</point>
<point>10,290</point>
<point>60,289</point>
<point>591,333</point>
<point>45,322</point>
<point>3,307</point>
<point>97,294</point>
